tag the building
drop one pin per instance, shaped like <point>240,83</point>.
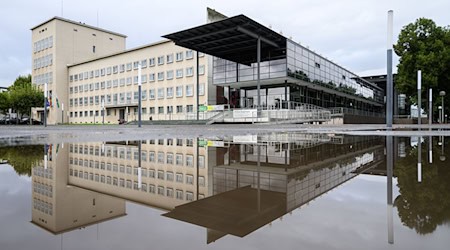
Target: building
<point>92,75</point>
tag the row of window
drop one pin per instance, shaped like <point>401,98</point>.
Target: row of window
<point>43,189</point>
<point>43,78</point>
<point>43,61</point>
<point>180,109</point>
<point>130,66</point>
<point>125,183</point>
<point>42,172</point>
<point>43,44</point>
<point>43,206</point>
<point>169,75</point>
<point>133,97</point>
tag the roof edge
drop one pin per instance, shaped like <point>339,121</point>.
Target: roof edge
<point>78,23</point>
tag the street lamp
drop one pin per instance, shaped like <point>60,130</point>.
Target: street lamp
<point>140,94</point>
<point>442,94</point>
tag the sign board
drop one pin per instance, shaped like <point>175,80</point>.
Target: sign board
<point>203,108</point>
<point>245,113</point>
<point>245,138</point>
<point>206,143</point>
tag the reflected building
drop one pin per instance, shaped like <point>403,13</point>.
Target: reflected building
<point>232,185</point>
<point>59,207</point>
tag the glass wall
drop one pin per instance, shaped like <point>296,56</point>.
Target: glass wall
<point>306,65</point>
<point>225,71</point>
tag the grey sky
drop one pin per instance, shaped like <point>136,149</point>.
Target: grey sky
<point>350,32</point>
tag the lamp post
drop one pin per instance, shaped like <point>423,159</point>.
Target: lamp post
<point>45,104</point>
<point>140,94</point>
<point>442,94</point>
<point>389,83</point>
<point>419,97</point>
<point>62,110</point>
<point>440,113</point>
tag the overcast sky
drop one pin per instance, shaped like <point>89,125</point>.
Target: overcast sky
<point>350,32</point>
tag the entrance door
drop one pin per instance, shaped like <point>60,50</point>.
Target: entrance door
<point>122,114</point>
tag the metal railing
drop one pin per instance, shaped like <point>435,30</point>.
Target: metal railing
<point>341,111</point>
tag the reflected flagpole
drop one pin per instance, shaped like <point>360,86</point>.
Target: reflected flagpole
<point>390,166</point>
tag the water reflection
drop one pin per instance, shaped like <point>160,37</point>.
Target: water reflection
<point>232,185</point>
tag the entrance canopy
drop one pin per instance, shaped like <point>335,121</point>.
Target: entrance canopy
<point>233,39</point>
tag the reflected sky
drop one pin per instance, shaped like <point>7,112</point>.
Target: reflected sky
<point>352,213</point>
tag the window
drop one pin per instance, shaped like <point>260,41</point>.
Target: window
<point>189,90</point>
<point>169,74</point>
<point>179,73</point>
<point>129,65</point>
<point>169,192</point>
<point>179,159</point>
<point>151,61</point>
<point>189,108</point>
<point>136,65</point>
<point>201,181</point>
<point>190,71</point>
<point>160,76</point>
<point>179,194</point>
<point>151,77</point>
<point>151,157</point>
<point>179,91</point>
<point>201,89</point>
<point>93,49</point>
<point>179,177</point>
<point>152,110</point>
<point>160,158</point>
<point>189,160</point>
<point>108,84</point>
<point>160,190</point>
<point>169,109</point>
<point>136,80</point>
<point>161,93</point>
<point>144,78</point>
<point>115,69</point>
<point>151,94</point>
<point>201,69</point>
<point>189,179</point>
<point>160,60</point>
<point>129,80</point>
<point>179,56</point>
<point>201,161</point>
<point>108,70</point>
<point>169,92</point>
<point>169,176</point>
<point>189,54</point>
<point>179,109</point>
<point>122,68</point>
<point>144,95</point>
<point>170,58</point>
<point>160,110</point>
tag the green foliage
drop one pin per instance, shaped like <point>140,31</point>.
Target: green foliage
<point>22,158</point>
<point>423,206</point>
<point>423,45</point>
<point>4,103</point>
<point>23,95</point>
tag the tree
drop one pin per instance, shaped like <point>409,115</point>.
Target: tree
<point>423,45</point>
<point>22,158</point>
<point>24,95</point>
<point>4,103</point>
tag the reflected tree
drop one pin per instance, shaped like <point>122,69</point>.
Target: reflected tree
<point>22,158</point>
<point>423,206</point>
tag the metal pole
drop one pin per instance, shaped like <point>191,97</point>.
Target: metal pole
<point>198,84</point>
<point>62,108</point>
<point>103,111</point>
<point>45,104</point>
<point>430,107</point>
<point>140,95</point>
<point>419,97</point>
<point>390,166</point>
<point>140,165</point>
<point>443,113</point>
<point>419,160</point>
<point>389,86</point>
<point>258,61</point>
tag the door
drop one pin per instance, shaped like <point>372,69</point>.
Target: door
<point>122,114</point>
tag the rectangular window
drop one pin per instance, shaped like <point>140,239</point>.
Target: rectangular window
<point>152,110</point>
<point>170,58</point>
<point>160,60</point>
<point>189,54</point>
<point>179,109</point>
<point>201,89</point>
<point>129,65</point>
<point>144,78</point>
<point>189,160</point>
<point>115,69</point>
<point>179,73</point>
<point>161,93</point>
<point>169,92</point>
<point>151,94</point>
<point>108,70</point>
<point>136,65</point>
<point>129,80</point>
<point>169,109</point>
<point>169,74</point>
<point>189,90</point>
<point>201,69</point>
<point>122,68</point>
<point>144,63</point>
<point>151,61</point>
<point>179,91</point>
<point>190,71</point>
<point>151,77</point>
<point>179,159</point>
<point>160,76</point>
<point>179,56</point>
<point>189,179</point>
<point>189,108</point>
<point>160,110</point>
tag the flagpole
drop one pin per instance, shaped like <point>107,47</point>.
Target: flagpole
<point>45,105</point>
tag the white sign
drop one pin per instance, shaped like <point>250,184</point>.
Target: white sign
<point>245,138</point>
<point>216,107</point>
<point>216,144</point>
<point>245,113</point>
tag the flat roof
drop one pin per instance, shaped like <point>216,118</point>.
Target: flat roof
<point>233,39</point>
<point>78,23</point>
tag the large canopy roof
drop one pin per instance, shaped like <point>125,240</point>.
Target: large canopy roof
<point>233,39</point>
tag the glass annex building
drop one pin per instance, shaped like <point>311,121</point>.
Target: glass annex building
<point>289,72</point>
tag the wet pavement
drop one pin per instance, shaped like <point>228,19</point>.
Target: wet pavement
<point>270,188</point>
